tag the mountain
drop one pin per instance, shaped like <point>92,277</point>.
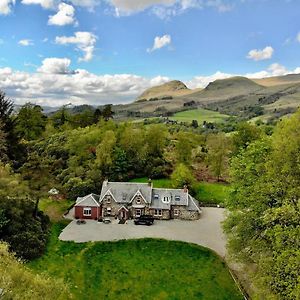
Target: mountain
<point>239,96</point>
<point>279,80</point>
<point>165,91</point>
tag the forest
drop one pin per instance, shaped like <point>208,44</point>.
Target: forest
<point>74,153</point>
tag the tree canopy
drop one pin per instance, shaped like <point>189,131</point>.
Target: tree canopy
<point>264,226</point>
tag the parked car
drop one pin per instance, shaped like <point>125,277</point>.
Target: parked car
<point>144,220</point>
<point>80,222</point>
<point>106,221</point>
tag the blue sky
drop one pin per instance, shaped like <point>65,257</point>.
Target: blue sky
<point>98,51</point>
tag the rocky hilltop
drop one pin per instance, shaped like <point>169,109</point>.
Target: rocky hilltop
<point>167,90</point>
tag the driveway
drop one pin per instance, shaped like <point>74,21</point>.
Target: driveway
<point>206,232</point>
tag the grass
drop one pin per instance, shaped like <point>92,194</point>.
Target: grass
<point>213,193</point>
<point>137,269</point>
<point>200,115</point>
<point>157,183</point>
<point>54,208</point>
<point>204,192</point>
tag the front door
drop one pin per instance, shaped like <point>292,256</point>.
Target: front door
<point>123,214</point>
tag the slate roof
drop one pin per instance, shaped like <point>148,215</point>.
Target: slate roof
<point>123,192</point>
<point>89,200</point>
<point>175,196</point>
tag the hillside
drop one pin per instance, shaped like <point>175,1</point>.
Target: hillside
<point>278,80</point>
<point>237,96</point>
<point>173,88</point>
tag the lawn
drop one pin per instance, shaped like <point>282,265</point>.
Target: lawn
<point>211,192</point>
<point>204,192</point>
<point>137,269</point>
<point>200,115</point>
<point>54,208</point>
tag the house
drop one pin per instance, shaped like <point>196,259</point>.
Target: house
<point>126,200</point>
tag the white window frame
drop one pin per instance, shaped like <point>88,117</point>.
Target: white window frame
<point>156,196</point>
<point>138,214</point>
<point>108,199</point>
<point>166,199</point>
<point>158,212</point>
<point>138,200</point>
<point>177,198</point>
<point>87,209</point>
<point>108,211</point>
<point>176,212</point>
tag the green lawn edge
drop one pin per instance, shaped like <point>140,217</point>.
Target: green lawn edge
<point>127,269</point>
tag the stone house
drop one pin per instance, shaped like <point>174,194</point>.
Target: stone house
<point>126,200</point>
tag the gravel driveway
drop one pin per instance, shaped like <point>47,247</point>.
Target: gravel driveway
<point>206,232</point>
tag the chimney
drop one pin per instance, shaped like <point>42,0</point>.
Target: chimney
<point>150,182</point>
<point>185,189</point>
<point>105,182</point>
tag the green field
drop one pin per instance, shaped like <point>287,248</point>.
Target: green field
<point>137,269</point>
<point>204,192</point>
<point>200,115</point>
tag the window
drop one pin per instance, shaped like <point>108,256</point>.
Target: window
<point>177,198</point>
<point>156,197</point>
<point>108,199</point>
<point>138,200</point>
<point>157,212</point>
<point>87,211</point>
<point>138,212</point>
<point>108,211</point>
<point>166,199</point>
<point>176,212</point>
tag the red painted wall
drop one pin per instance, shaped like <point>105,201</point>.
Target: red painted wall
<point>79,213</point>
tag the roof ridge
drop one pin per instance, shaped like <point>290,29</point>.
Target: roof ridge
<point>120,182</point>
<point>167,189</point>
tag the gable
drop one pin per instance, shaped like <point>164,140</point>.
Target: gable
<point>88,200</point>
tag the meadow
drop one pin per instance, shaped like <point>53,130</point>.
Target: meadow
<point>200,115</point>
<point>137,269</point>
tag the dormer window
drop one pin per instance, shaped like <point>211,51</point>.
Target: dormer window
<point>138,200</point>
<point>156,196</point>
<point>166,199</point>
<point>177,198</point>
<point>108,199</point>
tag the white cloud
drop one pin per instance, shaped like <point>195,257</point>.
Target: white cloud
<point>6,6</point>
<point>167,8</point>
<point>51,86</point>
<point>160,42</point>
<point>263,54</point>
<point>85,41</point>
<point>47,4</point>
<point>53,65</point>
<point>52,4</point>
<point>26,42</point>
<point>64,16</point>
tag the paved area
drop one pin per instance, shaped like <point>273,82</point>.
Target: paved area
<point>206,232</point>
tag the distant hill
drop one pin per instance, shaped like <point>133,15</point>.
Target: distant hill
<point>278,80</point>
<point>238,96</point>
<point>223,89</point>
<point>167,90</point>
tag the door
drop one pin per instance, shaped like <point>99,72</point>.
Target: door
<point>123,214</point>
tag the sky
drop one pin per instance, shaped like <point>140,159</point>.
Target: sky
<point>54,52</point>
